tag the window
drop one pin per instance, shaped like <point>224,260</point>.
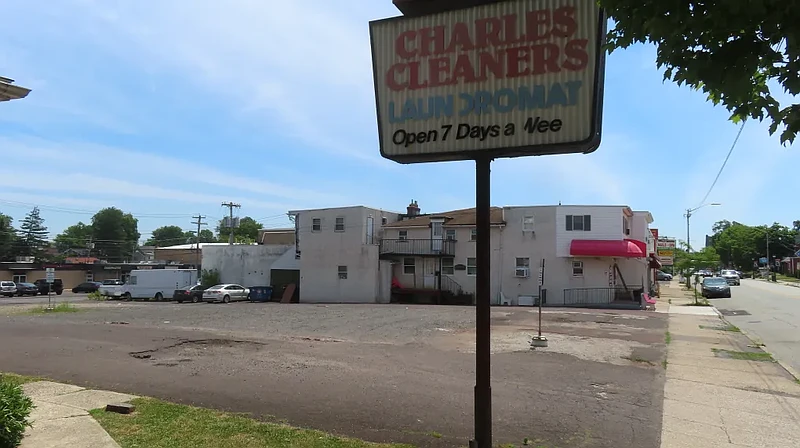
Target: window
<point>339,224</point>
<point>448,266</point>
<point>626,226</point>
<point>316,224</point>
<point>527,224</point>
<point>523,267</point>
<point>370,230</point>
<point>402,235</point>
<point>472,266</point>
<point>473,235</point>
<point>90,276</point>
<point>132,280</point>
<point>450,234</point>
<point>579,223</point>
<point>342,272</point>
<point>20,278</point>
<point>384,220</point>
<point>436,229</point>
<point>409,266</point>
<point>577,269</point>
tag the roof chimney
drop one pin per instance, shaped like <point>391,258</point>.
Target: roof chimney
<point>412,209</point>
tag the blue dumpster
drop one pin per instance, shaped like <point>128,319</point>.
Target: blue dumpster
<point>260,293</point>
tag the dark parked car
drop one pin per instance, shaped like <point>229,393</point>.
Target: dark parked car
<point>87,287</point>
<point>192,294</point>
<point>44,287</point>
<point>716,287</point>
<point>27,289</point>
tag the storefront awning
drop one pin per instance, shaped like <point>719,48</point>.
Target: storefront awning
<point>608,248</point>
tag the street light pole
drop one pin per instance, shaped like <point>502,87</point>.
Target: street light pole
<point>688,215</point>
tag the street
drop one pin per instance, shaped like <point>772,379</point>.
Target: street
<point>376,372</point>
<point>773,316</point>
<point>66,296</point>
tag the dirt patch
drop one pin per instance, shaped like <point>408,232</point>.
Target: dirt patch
<point>611,351</point>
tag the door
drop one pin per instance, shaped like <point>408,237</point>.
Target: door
<point>429,267</point>
<point>436,236</point>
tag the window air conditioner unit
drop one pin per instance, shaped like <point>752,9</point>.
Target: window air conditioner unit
<point>522,272</point>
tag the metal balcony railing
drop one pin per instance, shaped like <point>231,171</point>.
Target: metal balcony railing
<point>430,247</point>
<point>601,296</point>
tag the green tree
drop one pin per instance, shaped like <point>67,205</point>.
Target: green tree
<point>168,236</point>
<point>76,236</point>
<point>115,234</point>
<point>206,236</point>
<point>33,234</point>
<point>8,238</point>
<point>732,50</point>
<point>247,232</point>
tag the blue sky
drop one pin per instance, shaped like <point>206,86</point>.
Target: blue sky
<point>166,111</point>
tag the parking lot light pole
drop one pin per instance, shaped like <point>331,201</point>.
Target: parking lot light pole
<point>688,215</point>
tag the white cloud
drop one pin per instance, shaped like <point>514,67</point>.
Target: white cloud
<point>295,65</point>
<point>155,168</point>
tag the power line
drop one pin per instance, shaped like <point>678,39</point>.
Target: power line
<point>724,163</point>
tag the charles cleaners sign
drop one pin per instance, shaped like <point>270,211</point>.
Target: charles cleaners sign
<point>514,78</point>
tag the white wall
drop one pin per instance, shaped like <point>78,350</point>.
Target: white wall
<point>606,225</point>
<point>537,245</point>
<point>323,251</point>
<point>248,265</point>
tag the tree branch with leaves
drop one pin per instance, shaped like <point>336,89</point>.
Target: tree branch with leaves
<point>736,52</point>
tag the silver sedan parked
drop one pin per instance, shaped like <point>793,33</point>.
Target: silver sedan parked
<point>225,293</point>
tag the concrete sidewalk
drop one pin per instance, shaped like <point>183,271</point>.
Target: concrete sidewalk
<point>711,398</point>
<point>61,417</point>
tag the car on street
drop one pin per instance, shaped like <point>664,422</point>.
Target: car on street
<point>87,287</point>
<point>731,276</point>
<point>44,287</point>
<point>111,288</point>
<point>189,293</point>
<point>226,293</point>
<point>27,289</point>
<point>714,287</point>
<point>663,276</point>
<point>8,289</point>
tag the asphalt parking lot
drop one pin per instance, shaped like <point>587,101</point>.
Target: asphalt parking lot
<point>378,372</point>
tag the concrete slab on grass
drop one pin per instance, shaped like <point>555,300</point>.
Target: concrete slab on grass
<point>83,432</point>
<point>91,399</point>
<point>48,389</point>
<point>51,411</point>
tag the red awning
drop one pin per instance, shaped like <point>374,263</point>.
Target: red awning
<point>608,248</point>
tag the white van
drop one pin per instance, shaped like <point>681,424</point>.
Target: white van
<point>157,283</point>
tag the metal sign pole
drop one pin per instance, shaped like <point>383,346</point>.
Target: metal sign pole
<point>483,388</point>
<point>540,341</point>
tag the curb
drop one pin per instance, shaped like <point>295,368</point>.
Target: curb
<point>785,366</point>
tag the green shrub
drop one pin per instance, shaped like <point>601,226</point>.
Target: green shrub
<point>15,407</point>
<point>95,295</point>
<point>209,277</point>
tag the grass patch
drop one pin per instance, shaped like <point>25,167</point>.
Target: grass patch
<point>158,424</point>
<point>747,356</point>
<point>63,307</point>
<point>731,328</point>
<point>786,278</point>
<point>435,435</point>
<point>19,379</point>
<point>664,364</point>
<point>95,295</point>
<point>667,337</point>
<point>638,360</point>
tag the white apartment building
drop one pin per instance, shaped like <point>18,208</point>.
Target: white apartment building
<point>593,255</point>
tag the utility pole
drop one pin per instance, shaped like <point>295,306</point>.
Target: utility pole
<point>769,265</point>
<point>199,223</point>
<point>231,206</point>
<point>688,241</point>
